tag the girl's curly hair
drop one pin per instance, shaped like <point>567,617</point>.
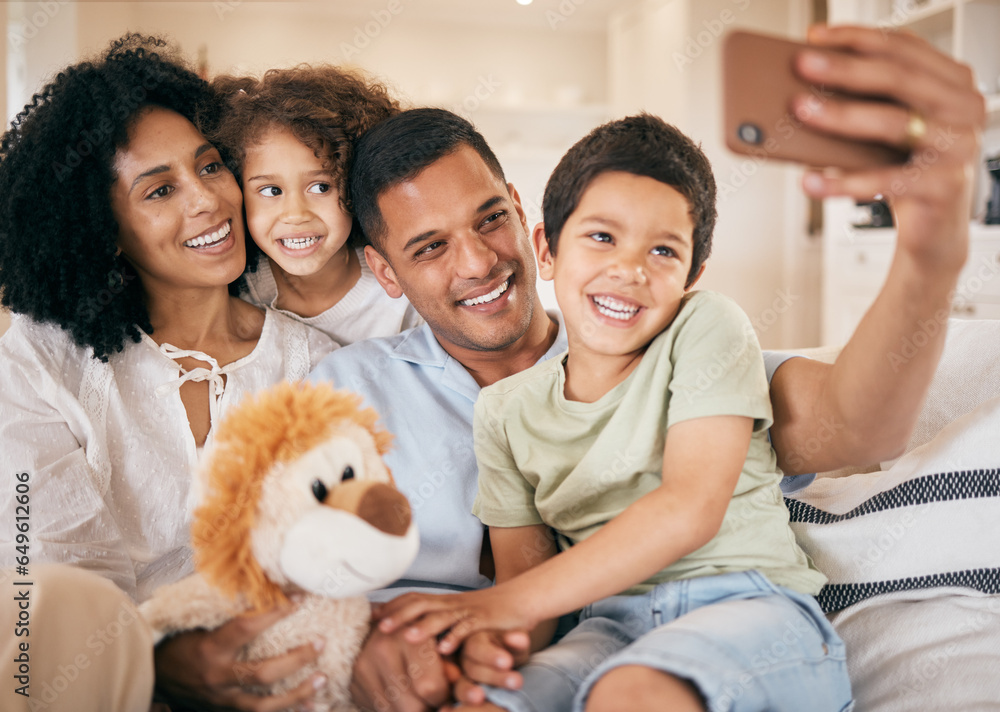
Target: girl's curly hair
<point>57,232</point>
<point>325,107</point>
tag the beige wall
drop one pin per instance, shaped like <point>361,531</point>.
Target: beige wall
<point>426,61</point>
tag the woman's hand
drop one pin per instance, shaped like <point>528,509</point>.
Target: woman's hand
<point>203,666</point>
<point>461,614</point>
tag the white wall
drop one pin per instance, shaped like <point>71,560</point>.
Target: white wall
<point>41,39</point>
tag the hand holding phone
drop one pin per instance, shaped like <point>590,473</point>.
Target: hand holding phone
<point>759,84</point>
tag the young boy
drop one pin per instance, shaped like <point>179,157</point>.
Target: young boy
<point>645,449</point>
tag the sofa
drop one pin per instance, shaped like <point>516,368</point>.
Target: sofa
<point>912,546</point>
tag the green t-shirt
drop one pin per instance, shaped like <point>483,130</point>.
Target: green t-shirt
<point>574,466</point>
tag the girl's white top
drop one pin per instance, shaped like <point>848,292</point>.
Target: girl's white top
<point>107,447</point>
<point>364,312</point>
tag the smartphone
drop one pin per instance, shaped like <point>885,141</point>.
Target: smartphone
<point>759,81</point>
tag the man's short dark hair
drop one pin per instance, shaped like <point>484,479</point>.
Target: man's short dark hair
<point>643,145</point>
<point>399,148</point>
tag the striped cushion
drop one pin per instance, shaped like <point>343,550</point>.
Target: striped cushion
<point>932,521</point>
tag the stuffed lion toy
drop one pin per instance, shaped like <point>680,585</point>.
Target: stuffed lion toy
<point>294,499</point>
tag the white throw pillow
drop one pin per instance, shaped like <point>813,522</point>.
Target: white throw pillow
<point>968,375</point>
<point>913,560</point>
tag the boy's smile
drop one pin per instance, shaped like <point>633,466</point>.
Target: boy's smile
<point>620,268</point>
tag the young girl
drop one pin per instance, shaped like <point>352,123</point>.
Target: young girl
<point>290,138</point>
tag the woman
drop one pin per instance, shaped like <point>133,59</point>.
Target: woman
<point>122,238</point>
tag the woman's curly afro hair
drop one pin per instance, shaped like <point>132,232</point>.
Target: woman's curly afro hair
<point>325,107</point>
<point>57,232</point>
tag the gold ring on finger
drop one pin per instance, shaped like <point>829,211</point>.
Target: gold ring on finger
<point>916,128</point>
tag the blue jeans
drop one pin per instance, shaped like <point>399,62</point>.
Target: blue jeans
<point>745,644</point>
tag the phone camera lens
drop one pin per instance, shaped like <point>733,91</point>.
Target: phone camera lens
<point>749,133</point>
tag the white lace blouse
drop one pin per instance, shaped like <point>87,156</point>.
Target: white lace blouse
<point>107,447</point>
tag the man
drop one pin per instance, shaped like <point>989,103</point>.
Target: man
<point>449,233</point>
<point>446,231</point>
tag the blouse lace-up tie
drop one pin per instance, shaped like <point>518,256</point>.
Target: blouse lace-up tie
<point>214,375</point>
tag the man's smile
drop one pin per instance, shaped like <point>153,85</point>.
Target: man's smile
<point>487,298</point>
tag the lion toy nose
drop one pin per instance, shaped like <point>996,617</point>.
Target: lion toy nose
<point>379,504</point>
<point>386,509</point>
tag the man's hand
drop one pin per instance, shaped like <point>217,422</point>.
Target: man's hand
<point>935,95</point>
<point>202,666</point>
<point>862,408</point>
<point>391,674</point>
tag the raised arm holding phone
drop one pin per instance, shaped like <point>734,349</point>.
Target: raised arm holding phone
<point>938,117</point>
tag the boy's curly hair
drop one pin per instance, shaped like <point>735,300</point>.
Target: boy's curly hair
<point>327,108</point>
<point>57,232</point>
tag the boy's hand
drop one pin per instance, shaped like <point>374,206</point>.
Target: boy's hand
<point>461,614</point>
<point>940,116</point>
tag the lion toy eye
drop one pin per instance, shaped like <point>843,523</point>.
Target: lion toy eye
<point>319,490</point>
<point>348,474</point>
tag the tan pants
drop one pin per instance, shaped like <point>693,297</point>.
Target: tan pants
<point>86,648</point>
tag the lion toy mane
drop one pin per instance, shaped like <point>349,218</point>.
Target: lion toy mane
<point>295,499</point>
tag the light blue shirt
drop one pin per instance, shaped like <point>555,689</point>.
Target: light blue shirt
<point>425,398</point>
